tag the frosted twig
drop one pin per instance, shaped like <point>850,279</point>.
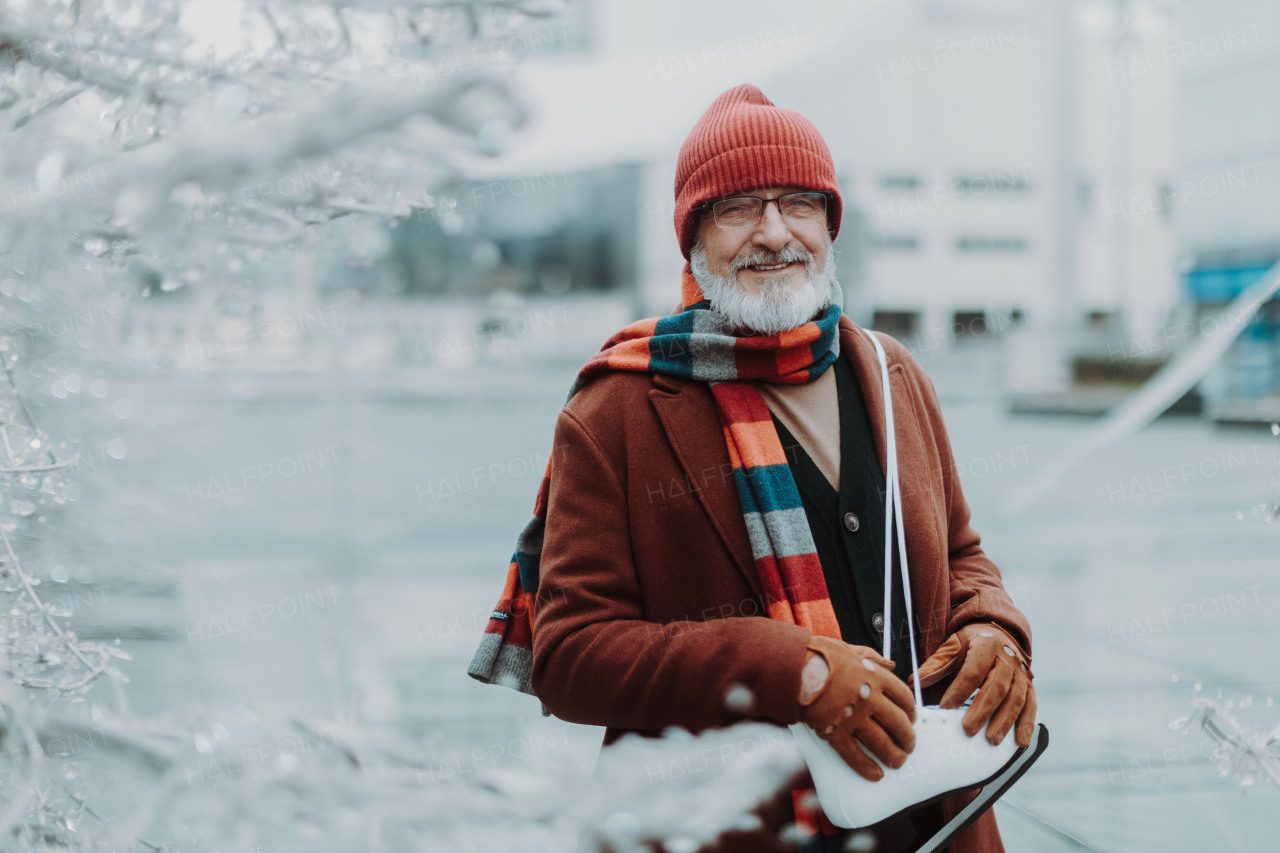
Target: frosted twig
<point>76,70</point>
<point>1242,751</point>
<point>32,469</point>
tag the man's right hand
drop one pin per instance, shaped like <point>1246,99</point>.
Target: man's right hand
<point>862,701</point>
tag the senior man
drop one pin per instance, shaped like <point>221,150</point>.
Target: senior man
<point>705,547</point>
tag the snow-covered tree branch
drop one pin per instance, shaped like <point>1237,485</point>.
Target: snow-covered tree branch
<point>147,151</point>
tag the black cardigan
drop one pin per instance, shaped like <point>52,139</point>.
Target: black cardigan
<point>852,561</point>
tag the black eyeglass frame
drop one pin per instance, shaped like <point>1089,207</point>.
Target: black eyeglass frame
<point>710,205</point>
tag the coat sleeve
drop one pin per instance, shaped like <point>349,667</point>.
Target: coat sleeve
<point>977,592</point>
<point>596,660</point>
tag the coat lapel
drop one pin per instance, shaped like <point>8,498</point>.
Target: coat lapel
<point>689,417</point>
<point>692,424</point>
<point>686,409</point>
<point>857,350</point>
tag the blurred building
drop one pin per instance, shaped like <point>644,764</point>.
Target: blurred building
<point>1086,175</point>
<point>996,166</point>
<point>1224,201</point>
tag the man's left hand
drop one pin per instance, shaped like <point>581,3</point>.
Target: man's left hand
<point>986,657</point>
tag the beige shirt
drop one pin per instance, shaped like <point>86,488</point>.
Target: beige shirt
<point>812,412</point>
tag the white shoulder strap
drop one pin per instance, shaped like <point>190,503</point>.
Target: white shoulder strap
<point>892,511</point>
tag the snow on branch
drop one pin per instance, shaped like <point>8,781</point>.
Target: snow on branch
<point>259,776</point>
<point>141,150</point>
<point>1250,754</point>
<point>147,148</point>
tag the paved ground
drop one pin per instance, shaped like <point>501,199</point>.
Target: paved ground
<point>337,549</point>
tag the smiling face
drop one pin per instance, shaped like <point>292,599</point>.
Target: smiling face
<point>769,277</point>
<point>758,254</point>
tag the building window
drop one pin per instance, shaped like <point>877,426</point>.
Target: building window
<point>990,244</point>
<point>969,323</point>
<point>989,183</point>
<point>900,324</point>
<point>1166,201</point>
<point>902,182</point>
<point>896,242</point>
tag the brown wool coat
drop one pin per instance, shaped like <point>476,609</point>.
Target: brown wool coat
<point>649,608</point>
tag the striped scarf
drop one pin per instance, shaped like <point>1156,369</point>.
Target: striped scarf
<point>696,343</point>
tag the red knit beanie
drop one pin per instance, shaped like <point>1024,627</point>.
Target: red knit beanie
<point>744,143</point>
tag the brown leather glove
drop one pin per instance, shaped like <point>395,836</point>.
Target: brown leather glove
<point>984,654</point>
<point>861,702</point>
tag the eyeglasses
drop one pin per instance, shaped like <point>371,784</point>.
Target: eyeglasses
<point>745,211</point>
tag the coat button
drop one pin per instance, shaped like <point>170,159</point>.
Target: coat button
<point>877,621</point>
<point>851,522</point>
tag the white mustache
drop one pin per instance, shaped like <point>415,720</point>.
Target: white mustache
<point>763,258</point>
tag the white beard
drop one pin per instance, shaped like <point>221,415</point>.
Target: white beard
<point>776,307</point>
